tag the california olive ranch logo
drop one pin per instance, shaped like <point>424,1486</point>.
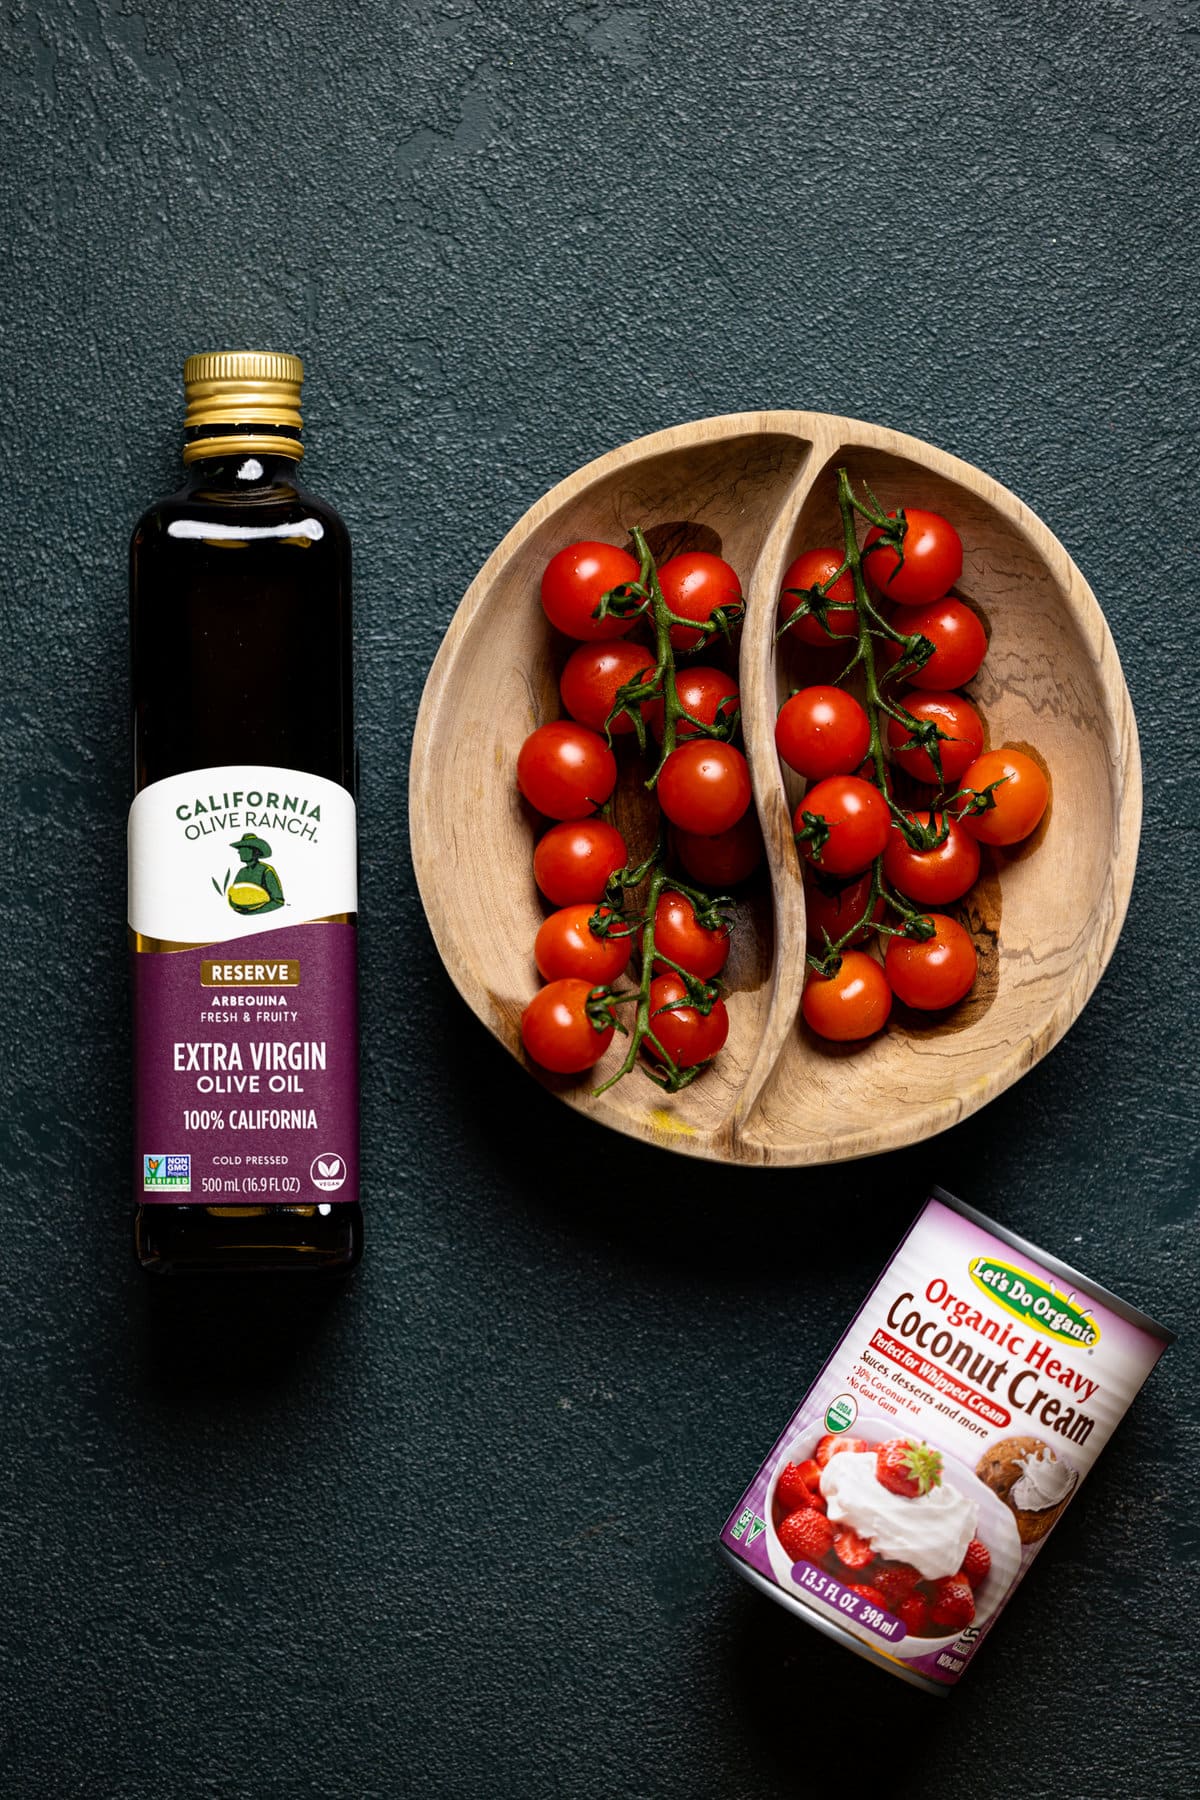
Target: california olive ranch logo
<point>255,888</point>
<point>1038,1304</point>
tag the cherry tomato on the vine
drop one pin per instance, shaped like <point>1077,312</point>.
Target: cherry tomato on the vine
<point>813,569</point>
<point>724,859</point>
<point>958,638</point>
<point>565,770</point>
<point>930,973</point>
<point>704,786</point>
<point>708,694</point>
<point>932,877</point>
<point>694,584</point>
<point>687,1035</point>
<point>933,558</point>
<point>822,731</point>
<point>852,1004</point>
<point>592,676</point>
<point>1019,802</point>
<point>961,742</point>
<point>557,1032</point>
<point>834,911</point>
<point>574,861</point>
<point>679,935</point>
<point>575,582</point>
<point>567,946</point>
<point>858,821</point>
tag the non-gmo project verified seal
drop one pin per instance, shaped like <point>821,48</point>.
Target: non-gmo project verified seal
<point>174,1172</point>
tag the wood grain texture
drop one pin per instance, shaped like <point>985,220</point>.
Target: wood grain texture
<point>760,487</point>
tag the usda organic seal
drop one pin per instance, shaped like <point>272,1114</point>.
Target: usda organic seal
<point>841,1413</point>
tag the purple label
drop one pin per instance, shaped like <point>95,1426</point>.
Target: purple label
<point>246,1055</point>
<point>929,1462</point>
<point>817,1581</point>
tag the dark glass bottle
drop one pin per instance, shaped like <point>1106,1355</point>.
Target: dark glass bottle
<point>244,781</point>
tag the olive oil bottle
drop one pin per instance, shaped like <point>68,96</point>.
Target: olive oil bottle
<point>242,846</point>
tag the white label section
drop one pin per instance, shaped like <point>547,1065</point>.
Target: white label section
<point>218,853</point>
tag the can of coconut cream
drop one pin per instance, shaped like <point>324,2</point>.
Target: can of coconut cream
<point>940,1444</point>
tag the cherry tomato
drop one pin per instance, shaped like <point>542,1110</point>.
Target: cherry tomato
<point>694,584</point>
<point>557,1032</point>
<point>725,859</point>
<point>932,877</point>
<point>935,972</point>
<point>592,676</point>
<point>835,911</point>
<point>574,861</point>
<point>822,731</point>
<point>933,559</point>
<point>1019,803</point>
<point>813,569</point>
<point>693,946</point>
<point>857,816</point>
<point>959,643</point>
<point>708,694</point>
<point>704,786</point>
<point>688,1036</point>
<point>852,1004</point>
<point>576,581</point>
<point>567,946</point>
<point>961,743</point>
<point>565,770</point>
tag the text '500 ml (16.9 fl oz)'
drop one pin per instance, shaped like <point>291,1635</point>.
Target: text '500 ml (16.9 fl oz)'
<point>242,846</point>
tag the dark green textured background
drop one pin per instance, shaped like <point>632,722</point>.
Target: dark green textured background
<point>456,1537</point>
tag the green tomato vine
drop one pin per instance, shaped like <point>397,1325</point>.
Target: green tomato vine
<point>644,598</point>
<point>872,629</point>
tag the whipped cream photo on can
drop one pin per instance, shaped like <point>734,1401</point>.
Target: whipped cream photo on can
<point>938,1447</point>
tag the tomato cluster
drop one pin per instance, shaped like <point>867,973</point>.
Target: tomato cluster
<point>901,792</point>
<point>615,687</point>
<point>869,854</point>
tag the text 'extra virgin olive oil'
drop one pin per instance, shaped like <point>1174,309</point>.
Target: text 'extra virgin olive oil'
<point>242,847</point>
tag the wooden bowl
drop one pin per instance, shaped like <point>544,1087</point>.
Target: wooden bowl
<point>758,488</point>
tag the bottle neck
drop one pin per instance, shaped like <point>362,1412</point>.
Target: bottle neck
<point>239,471</point>
<point>238,442</point>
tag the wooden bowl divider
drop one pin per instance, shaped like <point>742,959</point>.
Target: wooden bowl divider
<point>758,488</point>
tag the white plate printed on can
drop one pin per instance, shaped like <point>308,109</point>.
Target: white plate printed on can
<point>996,1528</point>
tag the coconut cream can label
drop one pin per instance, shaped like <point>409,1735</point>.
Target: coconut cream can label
<point>955,1421</point>
<point>243,896</point>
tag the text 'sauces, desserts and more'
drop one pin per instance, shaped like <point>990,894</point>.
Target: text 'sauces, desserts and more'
<point>940,1444</point>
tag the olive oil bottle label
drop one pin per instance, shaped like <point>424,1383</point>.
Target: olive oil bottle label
<point>242,905</point>
<point>221,853</point>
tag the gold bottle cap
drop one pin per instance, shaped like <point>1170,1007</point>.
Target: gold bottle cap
<point>258,390</point>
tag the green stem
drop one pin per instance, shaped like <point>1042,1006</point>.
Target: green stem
<point>865,653</point>
<point>876,707</point>
<point>664,651</point>
<point>660,683</point>
<point>815,601</point>
<point>640,1032</point>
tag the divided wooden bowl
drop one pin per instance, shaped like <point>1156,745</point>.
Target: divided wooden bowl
<point>757,488</point>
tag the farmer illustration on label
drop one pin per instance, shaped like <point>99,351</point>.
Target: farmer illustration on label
<point>256,888</point>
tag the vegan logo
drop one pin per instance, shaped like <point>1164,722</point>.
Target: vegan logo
<point>327,1172</point>
<point>164,1171</point>
<point>1038,1302</point>
<point>255,888</point>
